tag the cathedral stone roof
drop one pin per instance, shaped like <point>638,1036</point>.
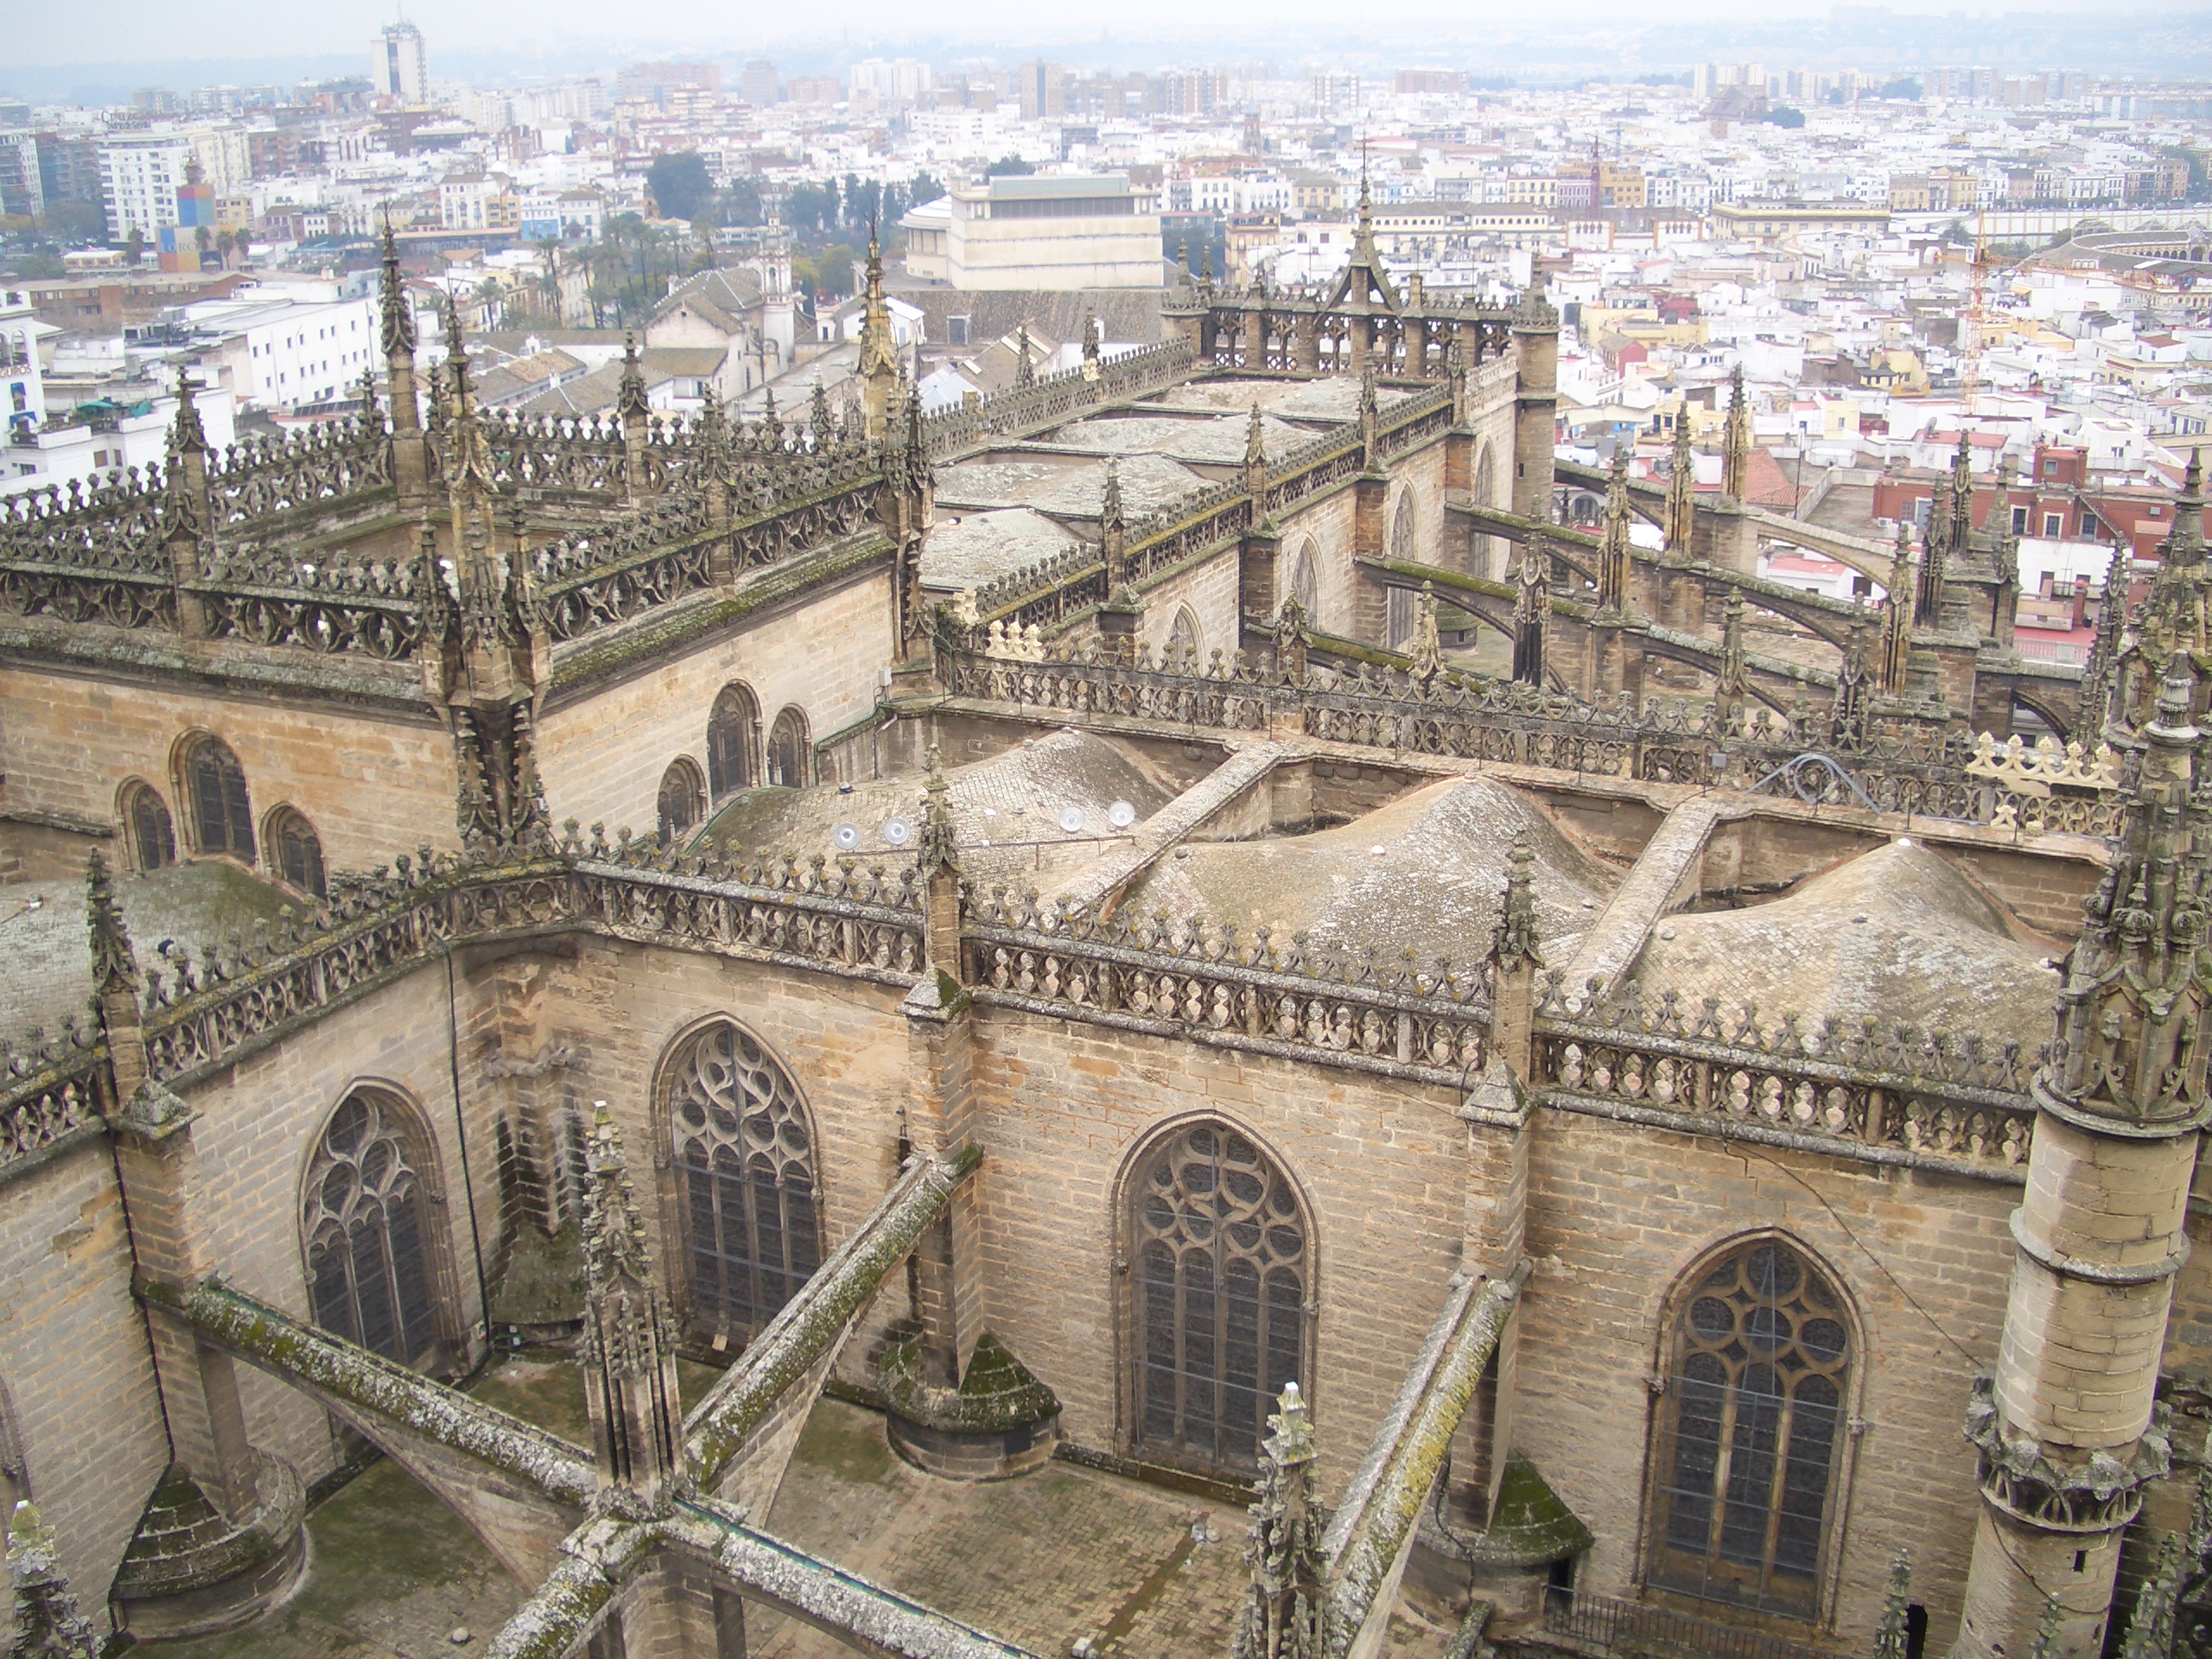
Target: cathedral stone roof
<point>1015,796</point>
<point>1071,485</point>
<point>1425,872</point>
<point>1335,401</point>
<point>981,547</point>
<point>1216,442</point>
<point>1895,934</point>
<point>45,970</point>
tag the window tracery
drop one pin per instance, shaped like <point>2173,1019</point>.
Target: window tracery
<point>1753,1418</point>
<point>745,1164</point>
<point>1221,1271</point>
<point>368,1220</point>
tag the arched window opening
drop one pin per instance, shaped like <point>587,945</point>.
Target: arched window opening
<point>1222,1277</point>
<point>1481,548</point>
<point>1403,531</point>
<point>146,821</point>
<point>1184,642</point>
<point>733,741</point>
<point>296,851</point>
<point>1753,1415</point>
<point>369,1220</point>
<point>1305,584</point>
<point>214,788</point>
<point>790,751</point>
<point>680,807</point>
<point>745,1168</point>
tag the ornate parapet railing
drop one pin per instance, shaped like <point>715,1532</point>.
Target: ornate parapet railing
<point>261,477</point>
<point>1291,998</point>
<point>1888,1091</point>
<point>1075,582</point>
<point>48,1098</point>
<point>1052,398</point>
<point>115,525</point>
<point>1907,769</point>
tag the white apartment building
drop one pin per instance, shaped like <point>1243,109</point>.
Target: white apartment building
<point>399,64</point>
<point>279,353</point>
<point>22,388</point>
<point>226,158</point>
<point>139,176</point>
<point>891,81</point>
<point>57,454</point>
<point>1040,232</point>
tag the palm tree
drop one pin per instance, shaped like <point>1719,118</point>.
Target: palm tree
<point>550,283</point>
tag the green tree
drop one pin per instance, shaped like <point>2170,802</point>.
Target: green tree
<point>134,246</point>
<point>833,268</point>
<point>1008,167</point>
<point>740,203</point>
<point>680,183</point>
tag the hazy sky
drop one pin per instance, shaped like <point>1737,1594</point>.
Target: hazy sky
<point>120,32</point>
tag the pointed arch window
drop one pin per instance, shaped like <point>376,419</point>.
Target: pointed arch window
<point>296,851</point>
<point>1221,1277</point>
<point>790,750</point>
<point>1750,1432</point>
<point>1403,530</point>
<point>1185,641</point>
<point>680,806</point>
<point>214,787</point>
<point>745,1180</point>
<point>733,741</point>
<point>370,1224</point>
<point>146,821</point>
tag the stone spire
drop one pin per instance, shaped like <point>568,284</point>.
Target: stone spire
<point>1854,683</point>
<point>2132,1029</point>
<point>186,434</point>
<point>48,1624</point>
<point>1024,370</point>
<point>1962,492</point>
<point>2069,1429</point>
<point>879,362</point>
<point>1681,489</point>
<point>2100,674</point>
<point>630,395</point>
<point>818,417</point>
<point>1928,592</point>
<point>1516,937</point>
<point>1897,614</point>
<point>1728,683</point>
<point>1113,527</point>
<point>398,319</point>
<point>629,1336</point>
<point>936,860</point>
<point>1255,463</point>
<point>1285,1603</point>
<point>1736,441</point>
<point>1892,1636</point>
<point>1613,550</point>
<point>1532,607</point>
<point>1370,419</point>
<point>1427,645</point>
<point>1093,347</point>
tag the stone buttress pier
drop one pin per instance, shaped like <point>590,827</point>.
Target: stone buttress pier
<point>2067,1429</point>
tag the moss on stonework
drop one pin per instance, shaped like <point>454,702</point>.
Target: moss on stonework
<point>1530,1525</point>
<point>998,1393</point>
<point>544,1280</point>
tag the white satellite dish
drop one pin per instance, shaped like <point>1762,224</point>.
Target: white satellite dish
<point>896,832</point>
<point>1070,818</point>
<point>847,835</point>
<point>1121,815</point>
